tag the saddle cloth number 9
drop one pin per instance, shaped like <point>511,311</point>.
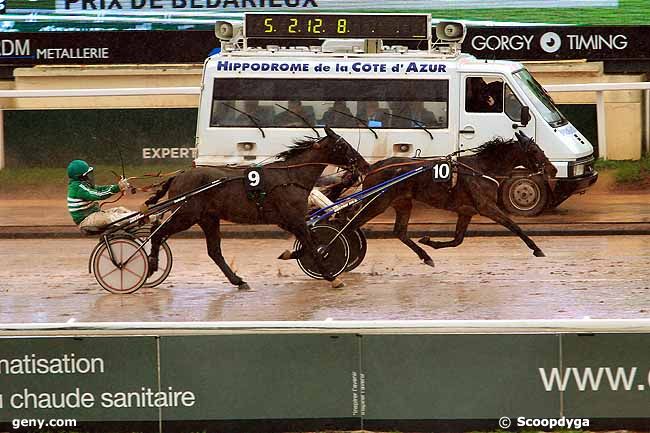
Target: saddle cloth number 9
<point>441,172</point>
<point>253,180</point>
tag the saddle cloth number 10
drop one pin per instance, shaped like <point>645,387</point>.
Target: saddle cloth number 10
<point>441,172</point>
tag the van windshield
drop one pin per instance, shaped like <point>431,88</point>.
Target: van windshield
<point>540,99</point>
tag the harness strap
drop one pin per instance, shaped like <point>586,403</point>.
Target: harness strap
<point>261,196</point>
<point>475,172</point>
<point>400,164</point>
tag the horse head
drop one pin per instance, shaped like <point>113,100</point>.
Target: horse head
<point>337,151</point>
<point>533,156</point>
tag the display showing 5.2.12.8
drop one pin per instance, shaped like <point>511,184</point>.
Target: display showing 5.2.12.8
<point>337,26</point>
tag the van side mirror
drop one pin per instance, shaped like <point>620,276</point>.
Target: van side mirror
<point>525,115</point>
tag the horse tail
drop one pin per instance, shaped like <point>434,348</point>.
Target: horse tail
<point>160,193</point>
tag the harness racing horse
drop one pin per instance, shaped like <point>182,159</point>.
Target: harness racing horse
<point>476,191</point>
<point>283,200</point>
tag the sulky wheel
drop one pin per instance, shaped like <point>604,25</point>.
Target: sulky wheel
<point>335,252</point>
<point>358,248</point>
<point>128,269</point>
<point>165,260</point>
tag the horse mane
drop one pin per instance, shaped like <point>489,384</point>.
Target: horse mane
<point>298,147</point>
<point>495,144</point>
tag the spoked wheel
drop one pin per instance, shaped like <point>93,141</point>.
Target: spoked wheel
<point>165,260</point>
<point>334,251</point>
<point>127,271</point>
<point>358,249</point>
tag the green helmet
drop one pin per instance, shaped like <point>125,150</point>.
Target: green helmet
<point>77,169</point>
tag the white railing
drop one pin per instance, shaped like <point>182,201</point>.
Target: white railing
<point>328,326</point>
<point>118,91</point>
<point>598,88</point>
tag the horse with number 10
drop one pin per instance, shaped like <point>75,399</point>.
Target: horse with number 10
<point>475,191</point>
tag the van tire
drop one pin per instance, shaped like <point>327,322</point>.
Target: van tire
<point>524,196</point>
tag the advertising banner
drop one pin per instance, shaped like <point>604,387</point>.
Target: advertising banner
<point>93,48</point>
<point>131,47</point>
<point>558,43</point>
<point>300,382</point>
<point>86,379</point>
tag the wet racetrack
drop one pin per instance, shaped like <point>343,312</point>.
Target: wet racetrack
<point>485,278</point>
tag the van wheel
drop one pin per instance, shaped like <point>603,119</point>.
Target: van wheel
<point>524,196</point>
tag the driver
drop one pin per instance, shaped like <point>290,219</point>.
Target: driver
<point>83,195</point>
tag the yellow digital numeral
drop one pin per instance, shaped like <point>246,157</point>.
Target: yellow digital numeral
<point>268,25</point>
<point>342,26</point>
<point>293,25</point>
<point>318,25</point>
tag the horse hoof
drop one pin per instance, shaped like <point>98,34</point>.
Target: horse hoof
<point>337,284</point>
<point>425,240</point>
<point>429,262</point>
<point>286,255</point>
<point>539,253</point>
<point>243,287</point>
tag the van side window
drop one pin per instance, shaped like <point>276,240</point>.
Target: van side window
<point>512,105</point>
<point>483,95</point>
<point>268,103</point>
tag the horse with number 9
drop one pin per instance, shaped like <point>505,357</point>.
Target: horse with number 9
<point>274,193</point>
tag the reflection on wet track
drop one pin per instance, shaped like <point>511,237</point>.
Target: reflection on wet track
<point>485,278</point>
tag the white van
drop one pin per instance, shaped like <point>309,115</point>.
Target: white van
<point>385,100</point>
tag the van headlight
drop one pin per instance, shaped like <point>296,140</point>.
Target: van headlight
<point>581,167</point>
<point>579,170</point>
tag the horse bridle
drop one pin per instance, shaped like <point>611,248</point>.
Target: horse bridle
<point>339,147</point>
<point>539,165</point>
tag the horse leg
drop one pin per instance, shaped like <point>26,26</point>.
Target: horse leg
<point>402,216</point>
<point>288,254</point>
<point>210,227</point>
<point>491,211</point>
<point>375,208</point>
<point>461,228</point>
<point>154,253</point>
<point>176,224</point>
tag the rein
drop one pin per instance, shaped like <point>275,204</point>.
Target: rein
<point>145,188</point>
<point>267,167</point>
<point>119,197</point>
<point>425,159</point>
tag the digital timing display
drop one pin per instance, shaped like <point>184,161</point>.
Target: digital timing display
<point>337,26</point>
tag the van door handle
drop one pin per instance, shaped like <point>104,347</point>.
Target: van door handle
<point>467,130</point>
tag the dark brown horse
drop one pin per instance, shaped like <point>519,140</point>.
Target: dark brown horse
<point>282,201</point>
<point>475,192</point>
